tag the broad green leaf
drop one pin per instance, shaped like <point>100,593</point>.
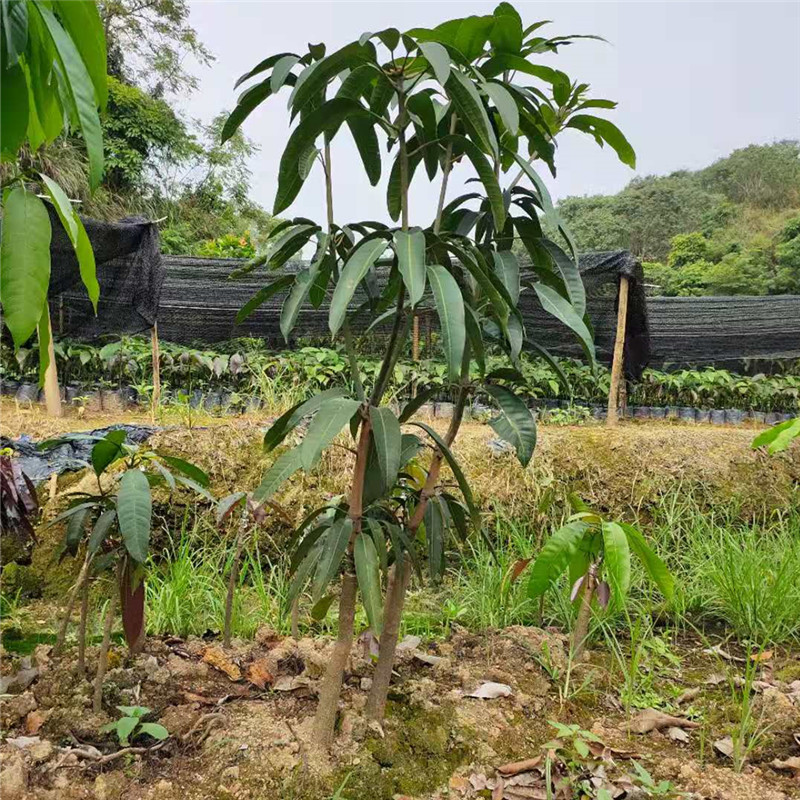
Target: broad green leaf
<point>320,609</point>
<point>353,273</point>
<point>544,195</point>
<point>13,111</point>
<point>505,104</point>
<point>388,442</point>
<point>25,257</point>
<point>379,539</point>
<point>82,22</point>
<point>262,295</point>
<point>458,473</point>
<point>348,57</point>
<point>125,728</point>
<point>410,249</point>
<point>281,470</point>
<point>283,247</point>
<point>187,468</point>
<point>570,274</point>
<point>297,296</point>
<point>326,117</point>
<point>654,566</point>
<point>288,421</point>
<point>303,572</point>
<point>553,303</point>
<point>410,445</point>
<point>515,425</point>
<point>508,62</point>
<point>76,527</point>
<point>334,547</point>
<point>487,176</point>
<point>282,69</point>
<point>80,90</point>
<point>438,58</point>
<point>134,509</point>
<point>469,107</point>
<point>369,580</point>
<point>506,33</point>
<point>101,529</point>
<point>450,307</point>
<point>77,236</point>
<point>434,535</point>
<point>393,193</point>
<point>15,30</point>
<point>325,426</point>
<point>605,131</point>
<point>155,730</point>
<point>247,103</point>
<point>262,66</point>
<point>554,557</point>
<point>617,561</point>
<point>413,405</point>
<point>507,267</point>
<point>778,438</point>
<point>108,450</point>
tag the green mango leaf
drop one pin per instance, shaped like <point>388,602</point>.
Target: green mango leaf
<point>778,438</point>
<point>76,527</point>
<point>281,470</point>
<point>283,66</point>
<point>187,468</point>
<point>469,107</point>
<point>77,236</point>
<point>506,33</point>
<point>134,509</point>
<point>101,529</point>
<point>475,338</point>
<point>108,450</point>
<point>388,442</point>
<point>262,295</point>
<point>608,132</point>
<point>262,66</point>
<point>82,22</point>
<point>247,103</point>
<point>79,90</point>
<point>369,580</point>
<point>320,609</point>
<point>507,268</point>
<point>439,60</point>
<point>568,269</point>
<point>15,30</point>
<point>25,256</point>
<point>14,112</point>
<point>303,572</point>
<point>434,535</point>
<point>654,566</point>
<point>486,175</point>
<point>300,289</point>
<point>554,557</point>
<point>410,249</point>
<point>289,420</point>
<point>553,303</point>
<point>410,445</point>
<point>508,62</point>
<point>326,425</point>
<point>415,403</point>
<point>515,425</point>
<point>450,307</point>
<point>505,104</point>
<point>353,273</point>
<point>334,547</point>
<point>125,727</point>
<point>617,561</point>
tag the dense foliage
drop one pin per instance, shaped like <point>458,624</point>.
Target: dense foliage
<point>243,368</point>
<point>731,228</point>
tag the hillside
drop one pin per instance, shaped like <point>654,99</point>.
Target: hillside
<point>731,228</point>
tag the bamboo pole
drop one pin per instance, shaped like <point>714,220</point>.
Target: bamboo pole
<point>156,366</point>
<point>619,352</point>
<point>52,395</point>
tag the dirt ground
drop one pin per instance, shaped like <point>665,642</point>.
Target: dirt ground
<point>239,723</point>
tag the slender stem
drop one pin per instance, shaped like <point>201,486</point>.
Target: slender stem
<point>585,613</point>
<point>233,577</point>
<point>102,662</point>
<point>351,356</point>
<point>395,345</point>
<point>73,596</point>
<point>448,166</point>
<point>401,139</point>
<point>82,627</point>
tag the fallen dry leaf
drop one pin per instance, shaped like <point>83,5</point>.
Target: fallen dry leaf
<point>724,746</point>
<point>677,734</point>
<point>258,674</point>
<point>652,720</point>
<point>515,767</point>
<point>191,697</point>
<point>718,650</point>
<point>33,722</point>
<point>216,657</point>
<point>491,691</point>
<point>288,683</point>
<point>715,679</point>
<point>458,783</point>
<point>764,655</point>
<point>792,764</point>
<point>688,695</point>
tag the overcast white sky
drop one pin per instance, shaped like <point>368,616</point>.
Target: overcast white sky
<point>694,81</point>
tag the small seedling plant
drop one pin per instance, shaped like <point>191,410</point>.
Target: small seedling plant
<point>130,726</point>
<point>470,91</point>
<point>113,526</point>
<point>596,554</point>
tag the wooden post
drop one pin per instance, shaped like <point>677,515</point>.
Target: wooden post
<point>52,395</point>
<point>156,367</point>
<point>619,352</point>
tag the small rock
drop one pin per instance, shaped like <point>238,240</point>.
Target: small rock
<point>163,788</point>
<point>41,752</point>
<point>34,721</point>
<point>777,707</point>
<point>17,707</point>
<point>14,777</point>
<point>366,684</point>
<point>41,656</point>
<point>230,774</point>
